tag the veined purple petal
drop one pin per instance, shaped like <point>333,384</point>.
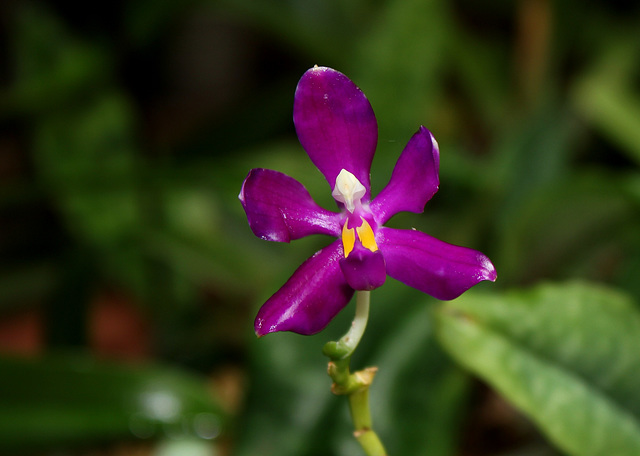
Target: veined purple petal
<point>279,208</point>
<point>442,270</point>
<point>310,299</point>
<point>335,125</point>
<point>414,179</point>
<point>364,269</point>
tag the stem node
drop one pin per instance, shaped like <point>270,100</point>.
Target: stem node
<point>355,385</point>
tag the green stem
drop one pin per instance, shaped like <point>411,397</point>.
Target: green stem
<point>361,416</point>
<point>352,338</point>
<point>355,385</point>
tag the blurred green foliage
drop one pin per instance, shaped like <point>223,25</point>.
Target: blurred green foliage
<point>128,127</point>
<point>82,401</point>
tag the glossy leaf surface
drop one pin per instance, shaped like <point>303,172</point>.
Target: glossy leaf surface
<point>566,355</point>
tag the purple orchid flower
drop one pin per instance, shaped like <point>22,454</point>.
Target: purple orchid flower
<point>338,129</point>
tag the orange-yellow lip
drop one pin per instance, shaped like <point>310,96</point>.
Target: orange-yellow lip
<point>365,235</point>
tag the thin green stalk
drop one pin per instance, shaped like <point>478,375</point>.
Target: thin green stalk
<point>355,385</point>
<point>361,416</point>
<point>352,338</point>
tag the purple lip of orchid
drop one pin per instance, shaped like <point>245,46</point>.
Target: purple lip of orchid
<point>338,129</point>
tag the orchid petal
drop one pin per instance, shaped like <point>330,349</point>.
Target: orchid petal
<point>335,124</point>
<point>442,270</point>
<point>364,269</point>
<point>279,208</point>
<point>414,179</point>
<point>310,299</point>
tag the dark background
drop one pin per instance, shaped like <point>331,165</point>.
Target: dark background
<point>126,130</point>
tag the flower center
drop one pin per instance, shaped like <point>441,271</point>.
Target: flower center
<point>348,190</point>
<point>365,235</point>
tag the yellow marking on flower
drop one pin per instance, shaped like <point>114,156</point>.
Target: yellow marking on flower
<point>348,239</point>
<point>366,236</point>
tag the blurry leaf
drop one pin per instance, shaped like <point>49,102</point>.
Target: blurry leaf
<point>312,27</point>
<point>566,355</point>
<point>67,309</point>
<point>82,130</point>
<point>549,231</point>
<point>607,96</point>
<point>27,284</point>
<point>629,273</point>
<point>532,152</point>
<point>147,19</point>
<point>83,150</point>
<point>480,69</point>
<point>52,67</point>
<point>289,398</point>
<point>632,186</point>
<point>185,447</point>
<point>398,64</point>
<point>87,157</point>
<point>418,396</point>
<point>72,400</point>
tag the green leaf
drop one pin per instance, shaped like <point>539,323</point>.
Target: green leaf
<point>566,355</point>
<point>70,400</point>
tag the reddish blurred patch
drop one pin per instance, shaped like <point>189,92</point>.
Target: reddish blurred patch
<point>494,426</point>
<point>118,328</point>
<point>22,333</point>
